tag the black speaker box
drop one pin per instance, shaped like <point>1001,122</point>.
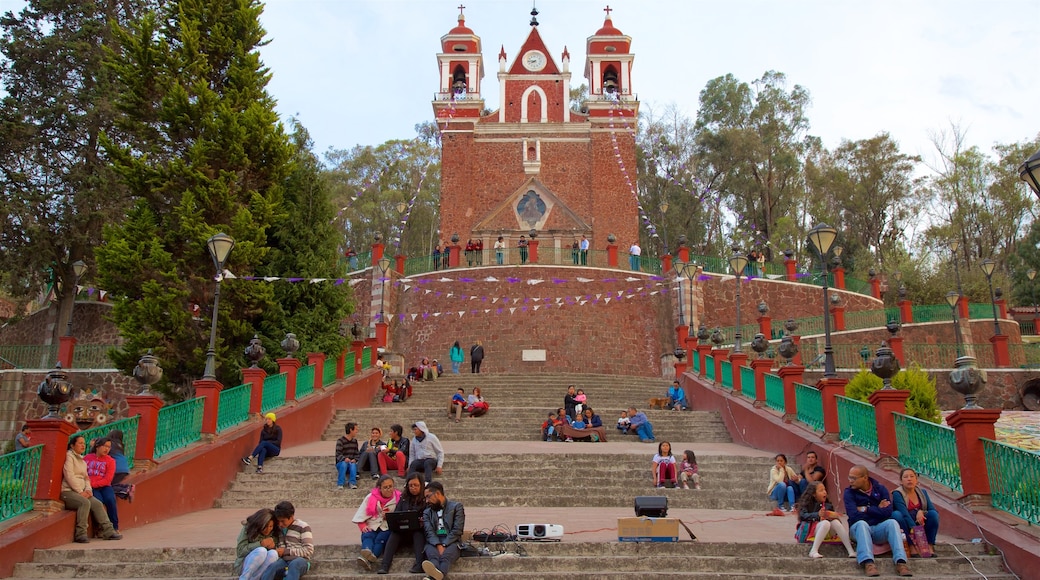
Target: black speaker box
<point>652,506</point>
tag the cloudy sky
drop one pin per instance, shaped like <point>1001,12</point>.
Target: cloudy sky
<point>363,72</point>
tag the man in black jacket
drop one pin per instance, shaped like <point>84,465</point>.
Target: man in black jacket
<point>443,522</point>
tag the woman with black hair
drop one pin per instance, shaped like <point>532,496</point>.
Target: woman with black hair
<point>413,499</point>
<point>255,548</point>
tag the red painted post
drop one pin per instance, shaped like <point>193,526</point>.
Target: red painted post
<point>377,254</point>
<point>839,277</point>
<point>399,264</point>
<point>210,390</point>
<point>666,264</point>
<point>885,403</point>
<point>829,390</point>
<point>1002,308</point>
<point>341,365</point>
<point>359,345</point>
<point>875,288</point>
<point>532,248</point>
<point>791,267</point>
<point>765,326</point>
<point>318,360</point>
<point>289,366</point>
<point>906,311</point>
<point>53,434</point>
<point>453,256</point>
<point>719,354</point>
<point>737,360</point>
<point>797,358</point>
<point>791,374</point>
<point>761,366</point>
<point>147,406</point>
<point>1001,355</point>
<point>683,253</point>
<point>896,344</point>
<point>680,369</point>
<point>381,334</point>
<point>255,376</point>
<point>838,312</point>
<point>1036,326</point>
<point>682,333</point>
<point>612,255</point>
<point>969,425</point>
<point>66,348</point>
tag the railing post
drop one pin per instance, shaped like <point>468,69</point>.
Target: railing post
<point>680,369</point>
<point>875,288</point>
<point>453,256</point>
<point>666,265</point>
<point>66,348</point>
<point>702,353</point>
<point>210,390</point>
<point>1002,308</point>
<point>797,358</point>
<point>839,318</point>
<point>737,360</point>
<point>906,311</point>
<point>377,254</point>
<point>791,374</point>
<point>359,345</point>
<point>289,366</point>
<point>683,253</point>
<point>381,333</point>
<point>255,377</point>
<point>830,389</point>
<point>896,344</point>
<point>341,365</point>
<point>839,277</point>
<point>791,268</point>
<point>147,406</point>
<point>318,360</point>
<point>612,255</point>
<point>765,326</point>
<point>886,402</point>
<point>690,344</point>
<point>761,366</point>
<point>719,354</point>
<point>399,263</point>
<point>532,251</point>
<point>53,434</point>
<point>1001,355</point>
<point>682,333</point>
<point>968,426</point>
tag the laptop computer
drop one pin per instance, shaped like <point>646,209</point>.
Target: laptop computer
<point>404,521</point>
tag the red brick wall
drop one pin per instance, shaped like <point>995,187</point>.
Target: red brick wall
<point>89,325</point>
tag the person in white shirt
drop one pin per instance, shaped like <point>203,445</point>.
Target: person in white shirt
<point>633,256</point>
<point>583,246</point>
<point>500,250</point>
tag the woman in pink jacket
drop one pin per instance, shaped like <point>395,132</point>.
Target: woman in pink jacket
<point>101,468</point>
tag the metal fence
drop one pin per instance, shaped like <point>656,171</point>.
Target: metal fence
<point>19,475</point>
<point>233,407</point>
<point>929,449</point>
<point>857,423</point>
<point>178,426</point>
<point>127,425</point>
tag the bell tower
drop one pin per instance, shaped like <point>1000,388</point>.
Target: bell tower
<point>461,72</point>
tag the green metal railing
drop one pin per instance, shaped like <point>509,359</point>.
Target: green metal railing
<point>360,262</point>
<point>857,423</point>
<point>366,358</point>
<point>421,265</point>
<point>93,356</point>
<point>1027,327</point>
<point>709,368</point>
<point>810,406</point>
<point>747,382</point>
<point>29,356</point>
<point>328,372</point>
<point>178,426</point>
<point>979,310</point>
<point>727,374</point>
<point>233,407</point>
<point>274,392</point>
<point>19,474</point>
<point>774,392</point>
<point>929,449</point>
<point>1013,476</point>
<point>696,362</point>
<point>349,364</point>
<point>127,425</point>
<point>304,381</point>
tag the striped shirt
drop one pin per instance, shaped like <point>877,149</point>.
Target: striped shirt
<point>298,541</point>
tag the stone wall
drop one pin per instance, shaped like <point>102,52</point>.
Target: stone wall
<point>89,325</point>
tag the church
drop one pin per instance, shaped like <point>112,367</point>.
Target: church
<point>541,163</point>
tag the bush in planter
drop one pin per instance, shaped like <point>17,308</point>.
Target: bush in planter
<point>923,402</point>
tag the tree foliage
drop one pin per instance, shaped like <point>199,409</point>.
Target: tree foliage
<point>923,402</point>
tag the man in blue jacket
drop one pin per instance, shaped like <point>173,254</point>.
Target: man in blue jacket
<point>870,520</point>
<point>677,397</point>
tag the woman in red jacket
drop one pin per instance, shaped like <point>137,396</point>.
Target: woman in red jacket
<point>101,468</point>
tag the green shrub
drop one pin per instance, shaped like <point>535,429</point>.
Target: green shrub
<point>923,402</point>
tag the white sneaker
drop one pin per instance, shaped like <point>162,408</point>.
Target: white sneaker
<point>432,570</point>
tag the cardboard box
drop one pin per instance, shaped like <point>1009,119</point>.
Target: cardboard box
<point>648,529</point>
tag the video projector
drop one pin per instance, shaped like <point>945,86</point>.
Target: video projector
<point>539,532</point>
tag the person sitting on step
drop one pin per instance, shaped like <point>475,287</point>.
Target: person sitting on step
<point>817,518</point>
<point>641,425</point>
<point>783,483</point>
<point>688,470</point>
<point>664,466</point>
<point>368,455</point>
<point>413,499</point>
<point>457,404</point>
<point>101,468</point>
<point>427,371</point>
<point>347,452</point>
<point>371,520</point>
<point>570,401</point>
<point>624,425</point>
<point>270,444</point>
<point>443,522</point>
<point>870,520</point>
<point>677,397</point>
<point>912,507</point>
<point>475,404</point>
<point>395,456</point>
<point>296,543</point>
<point>425,452</point>
<point>548,428</point>
<point>77,494</point>
<point>256,547</point>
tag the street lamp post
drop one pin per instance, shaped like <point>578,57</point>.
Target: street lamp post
<point>689,271</point>
<point>988,265</point>
<point>384,267</point>
<point>1031,274</point>
<point>680,270</point>
<point>219,247</point>
<point>737,262</point>
<point>664,228</point>
<point>952,298</point>
<point>78,269</point>
<point>821,238</point>
<point>1030,172</point>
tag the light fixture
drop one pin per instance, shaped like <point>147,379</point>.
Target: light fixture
<point>1030,172</point>
<point>822,237</point>
<point>952,298</point>
<point>78,269</point>
<point>401,207</point>
<point>220,246</point>
<point>988,266</point>
<point>680,271</point>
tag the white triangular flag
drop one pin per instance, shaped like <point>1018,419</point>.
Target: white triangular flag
<point>271,278</point>
<point>580,279</point>
<point>414,315</point>
<point>313,280</point>
<point>537,306</point>
<point>606,300</point>
<point>533,282</point>
<point>436,314</point>
<point>428,291</point>
<point>598,296</point>
<point>491,279</point>
<point>407,287</point>
<point>445,280</point>
<point>512,310</point>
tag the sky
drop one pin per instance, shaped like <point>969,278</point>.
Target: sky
<point>364,72</point>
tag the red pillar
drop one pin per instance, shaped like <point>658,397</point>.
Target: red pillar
<point>838,312</point>
<point>381,332</point>
<point>1036,326</point>
<point>341,365</point>
<point>289,366</point>
<point>797,358</point>
<point>255,377</point>
<point>896,344</point>
<point>147,406</point>
<point>399,264</point>
<point>885,403</point>
<point>683,253</point>
<point>719,354</point>
<point>906,311</point>
<point>690,344</point>
<point>875,288</point>
<point>66,348</point>
<point>1001,356</point>
<point>453,256</point>
<point>737,360</point>
<point>702,353</point>
<point>377,254</point>
<point>532,247</point>
<point>682,332</point>
<point>680,369</point>
<point>210,390</point>
<point>318,360</point>
<point>1002,308</point>
<point>963,305</point>
<point>612,255</point>
<point>791,374</point>
<point>666,264</point>
<point>791,267</point>
<point>53,434</point>
<point>829,389</point>
<point>839,277</point>
<point>761,367</point>
<point>765,326</point>
<point>969,425</point>
<point>359,345</point>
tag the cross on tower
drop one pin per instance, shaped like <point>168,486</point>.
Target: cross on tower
<point>608,10</point>
<point>461,8</point>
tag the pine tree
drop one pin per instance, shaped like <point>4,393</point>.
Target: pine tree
<point>204,152</point>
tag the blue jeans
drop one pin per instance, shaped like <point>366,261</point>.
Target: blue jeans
<point>931,524</point>
<point>781,490</point>
<point>342,467</point>
<point>107,496</point>
<point>425,466</point>
<point>645,431</point>
<point>633,262</point>
<point>263,450</point>
<point>867,535</point>
<point>499,257</point>
<point>375,541</point>
<point>455,366</point>
<point>257,562</point>
<point>443,561</point>
<point>293,569</point>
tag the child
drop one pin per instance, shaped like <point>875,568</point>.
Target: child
<point>623,423</point>
<point>580,400</point>
<point>579,422</point>
<point>688,471</point>
<point>458,404</point>
<point>664,465</point>
<point>547,428</point>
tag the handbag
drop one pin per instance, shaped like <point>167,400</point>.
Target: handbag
<point>920,541</point>
<point>805,532</point>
